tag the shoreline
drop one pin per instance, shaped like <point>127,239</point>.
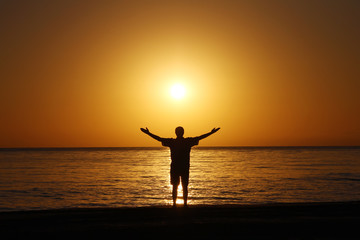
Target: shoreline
<point>330,220</point>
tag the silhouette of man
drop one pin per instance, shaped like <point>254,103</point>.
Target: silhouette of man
<point>180,158</point>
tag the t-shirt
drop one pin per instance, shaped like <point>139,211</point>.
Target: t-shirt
<point>180,150</point>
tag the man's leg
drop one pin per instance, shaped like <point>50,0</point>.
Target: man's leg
<point>175,180</point>
<point>185,195</point>
<point>174,194</point>
<point>185,183</point>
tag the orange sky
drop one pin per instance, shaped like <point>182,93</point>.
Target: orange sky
<point>91,73</point>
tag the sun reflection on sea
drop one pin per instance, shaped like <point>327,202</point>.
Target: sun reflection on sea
<point>140,177</point>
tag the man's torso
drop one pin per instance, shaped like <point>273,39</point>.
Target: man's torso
<point>180,150</point>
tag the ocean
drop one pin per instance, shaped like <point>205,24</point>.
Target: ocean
<point>57,178</point>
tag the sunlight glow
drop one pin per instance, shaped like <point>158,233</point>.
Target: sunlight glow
<point>178,91</point>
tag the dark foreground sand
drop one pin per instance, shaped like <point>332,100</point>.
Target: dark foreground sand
<point>274,221</point>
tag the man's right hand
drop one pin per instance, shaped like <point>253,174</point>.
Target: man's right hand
<point>215,130</point>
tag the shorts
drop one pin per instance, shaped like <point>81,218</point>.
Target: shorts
<point>176,173</point>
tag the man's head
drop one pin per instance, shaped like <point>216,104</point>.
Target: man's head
<point>179,132</point>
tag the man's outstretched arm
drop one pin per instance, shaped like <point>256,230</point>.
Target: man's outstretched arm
<point>146,131</point>
<point>214,130</point>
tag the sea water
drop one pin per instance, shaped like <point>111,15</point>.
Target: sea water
<point>133,177</point>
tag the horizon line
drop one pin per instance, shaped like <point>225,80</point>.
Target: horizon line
<point>155,147</point>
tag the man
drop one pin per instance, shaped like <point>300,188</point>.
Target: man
<point>180,157</point>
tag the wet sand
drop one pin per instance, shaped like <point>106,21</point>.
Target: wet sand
<point>271,221</point>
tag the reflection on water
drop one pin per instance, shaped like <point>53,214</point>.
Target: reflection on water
<point>140,177</point>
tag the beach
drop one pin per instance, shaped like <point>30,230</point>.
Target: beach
<point>336,220</point>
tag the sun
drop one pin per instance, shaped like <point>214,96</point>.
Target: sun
<point>178,91</point>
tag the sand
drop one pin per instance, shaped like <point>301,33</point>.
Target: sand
<point>271,221</point>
